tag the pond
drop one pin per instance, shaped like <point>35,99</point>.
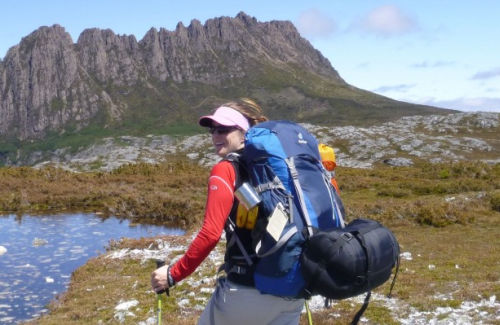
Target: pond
<point>39,253</point>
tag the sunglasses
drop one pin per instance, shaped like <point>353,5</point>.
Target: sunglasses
<point>222,129</point>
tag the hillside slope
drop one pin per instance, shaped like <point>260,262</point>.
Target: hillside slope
<point>435,138</point>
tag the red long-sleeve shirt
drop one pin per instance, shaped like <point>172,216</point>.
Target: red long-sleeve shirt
<point>218,206</point>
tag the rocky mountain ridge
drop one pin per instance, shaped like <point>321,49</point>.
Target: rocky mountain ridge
<point>48,81</point>
<point>52,86</point>
<point>435,138</point>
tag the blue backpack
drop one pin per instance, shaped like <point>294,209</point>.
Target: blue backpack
<point>284,166</point>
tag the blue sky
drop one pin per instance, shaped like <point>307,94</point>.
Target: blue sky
<point>438,52</point>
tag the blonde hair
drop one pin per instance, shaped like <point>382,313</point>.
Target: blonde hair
<point>249,108</point>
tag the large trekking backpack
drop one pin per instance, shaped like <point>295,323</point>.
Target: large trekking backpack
<point>302,244</point>
<point>283,164</point>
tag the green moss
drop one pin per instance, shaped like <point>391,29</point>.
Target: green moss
<point>56,104</point>
<point>380,315</point>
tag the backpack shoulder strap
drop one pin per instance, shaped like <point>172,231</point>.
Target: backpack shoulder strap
<point>240,177</point>
<point>239,167</point>
<point>234,159</point>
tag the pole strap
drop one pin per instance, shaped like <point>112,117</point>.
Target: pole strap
<point>309,316</point>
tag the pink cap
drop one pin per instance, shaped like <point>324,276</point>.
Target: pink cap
<point>226,116</point>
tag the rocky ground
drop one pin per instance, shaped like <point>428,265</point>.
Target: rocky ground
<point>467,312</point>
<point>402,142</point>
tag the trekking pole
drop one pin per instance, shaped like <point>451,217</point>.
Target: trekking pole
<point>309,317</point>
<point>160,263</point>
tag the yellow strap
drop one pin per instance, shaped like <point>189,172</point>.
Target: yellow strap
<point>309,317</point>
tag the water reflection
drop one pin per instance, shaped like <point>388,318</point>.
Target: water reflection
<point>39,254</point>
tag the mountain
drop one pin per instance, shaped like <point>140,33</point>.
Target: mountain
<point>108,84</point>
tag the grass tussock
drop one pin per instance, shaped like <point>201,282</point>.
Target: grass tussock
<point>495,200</point>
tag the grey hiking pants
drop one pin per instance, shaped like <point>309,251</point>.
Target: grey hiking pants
<point>234,304</point>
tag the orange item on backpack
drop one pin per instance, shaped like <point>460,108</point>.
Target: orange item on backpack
<point>328,160</point>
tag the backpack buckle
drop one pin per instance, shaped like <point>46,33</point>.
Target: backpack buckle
<point>237,269</point>
<point>347,236</point>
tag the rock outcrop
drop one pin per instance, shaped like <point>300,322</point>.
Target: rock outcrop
<point>48,82</point>
<point>434,138</point>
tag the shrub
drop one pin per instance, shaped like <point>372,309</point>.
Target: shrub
<point>440,214</point>
<point>444,173</point>
<point>495,201</point>
<point>394,192</point>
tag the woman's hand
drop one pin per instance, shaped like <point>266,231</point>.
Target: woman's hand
<point>159,279</point>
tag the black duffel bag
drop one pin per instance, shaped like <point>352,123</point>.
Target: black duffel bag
<point>342,263</point>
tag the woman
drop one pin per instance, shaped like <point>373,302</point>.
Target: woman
<point>235,300</point>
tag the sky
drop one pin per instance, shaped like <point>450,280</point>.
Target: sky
<point>444,53</point>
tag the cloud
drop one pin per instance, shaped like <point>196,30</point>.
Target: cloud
<point>363,65</point>
<point>435,64</point>
<point>484,104</point>
<point>313,23</point>
<point>492,73</point>
<point>397,88</point>
<point>387,21</point>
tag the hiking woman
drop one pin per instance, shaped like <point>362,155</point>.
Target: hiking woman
<point>235,300</point>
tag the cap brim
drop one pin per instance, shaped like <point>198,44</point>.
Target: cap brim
<point>225,116</point>
<point>207,121</point>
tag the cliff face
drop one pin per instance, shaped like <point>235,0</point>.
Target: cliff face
<point>47,82</point>
<point>37,78</point>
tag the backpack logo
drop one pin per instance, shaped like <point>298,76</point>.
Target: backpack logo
<point>301,139</point>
